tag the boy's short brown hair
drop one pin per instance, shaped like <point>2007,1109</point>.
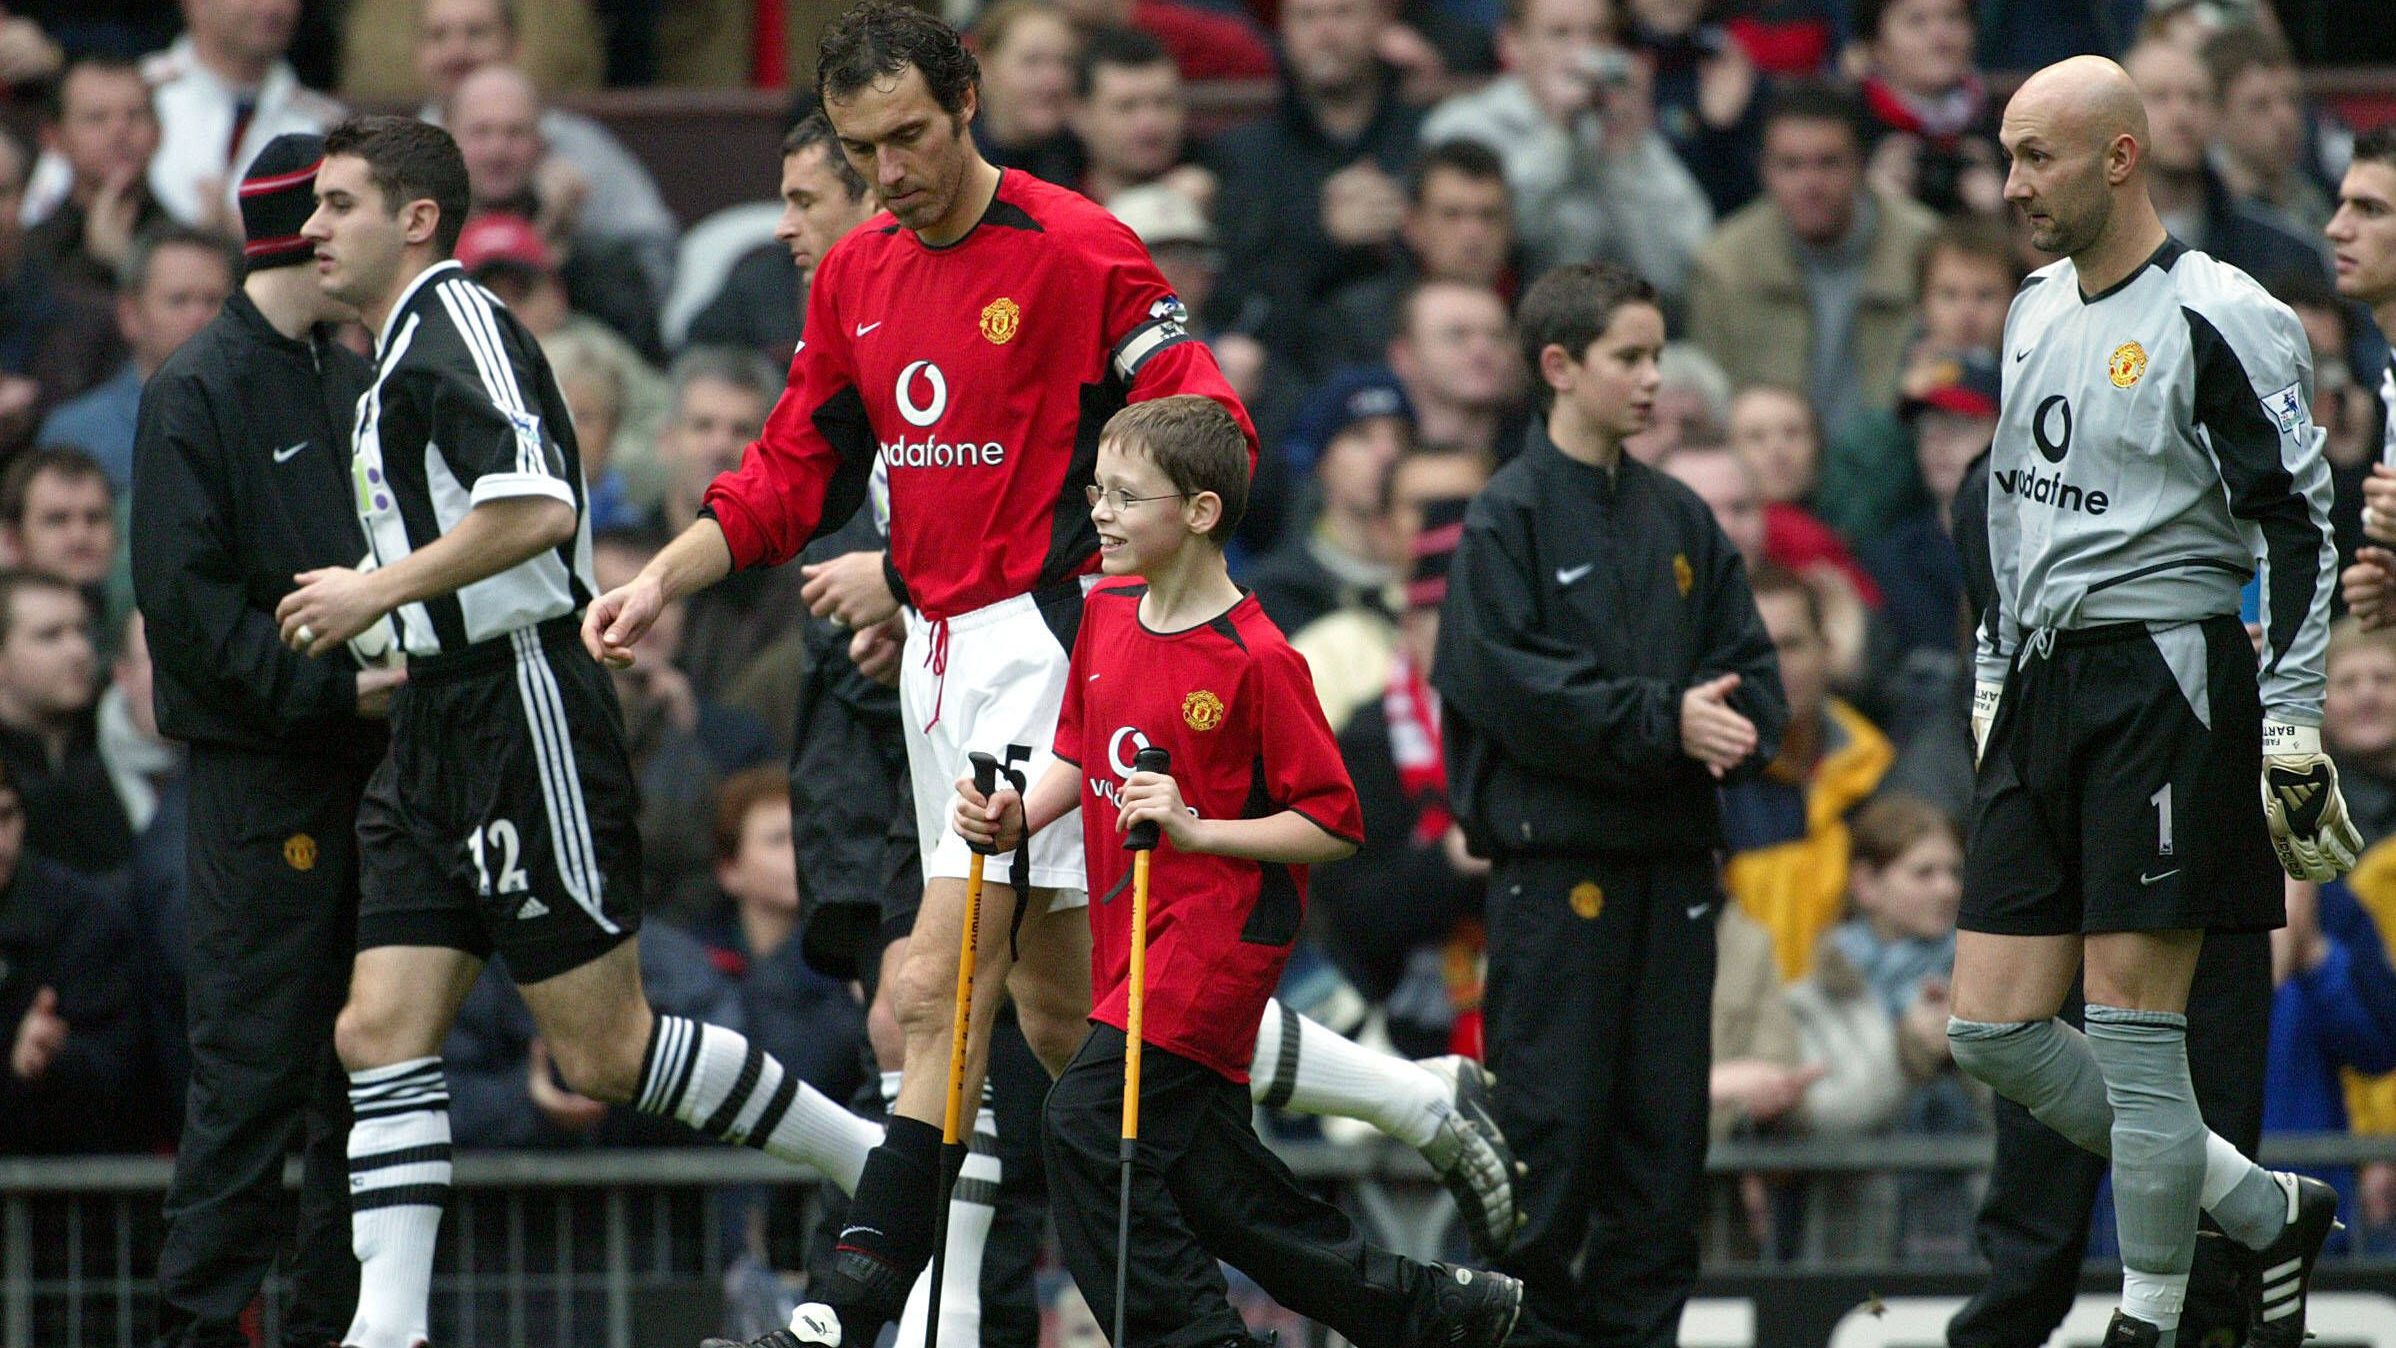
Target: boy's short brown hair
<point>1197,444</point>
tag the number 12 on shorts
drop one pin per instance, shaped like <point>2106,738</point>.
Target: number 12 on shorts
<point>500,835</point>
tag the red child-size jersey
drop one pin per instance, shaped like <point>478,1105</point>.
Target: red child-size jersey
<point>982,371</point>
<point>1237,709</point>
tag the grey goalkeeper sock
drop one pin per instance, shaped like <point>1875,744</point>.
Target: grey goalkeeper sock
<point>2158,1152</point>
<point>2045,1067</point>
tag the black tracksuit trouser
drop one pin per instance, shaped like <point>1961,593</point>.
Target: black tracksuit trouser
<point>1204,1188</point>
<point>2033,1226</point>
<point>273,895</point>
<point>1599,1026</point>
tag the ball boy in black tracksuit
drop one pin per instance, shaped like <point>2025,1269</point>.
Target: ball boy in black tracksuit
<point>1601,667</point>
<point>240,481</point>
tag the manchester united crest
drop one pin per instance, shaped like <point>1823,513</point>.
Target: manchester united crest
<point>1202,710</point>
<point>299,852</point>
<point>1001,318</point>
<point>2128,363</point>
<point>1587,900</point>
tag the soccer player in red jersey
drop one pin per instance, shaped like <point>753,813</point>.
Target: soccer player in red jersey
<point>976,338</point>
<point>1178,657</point>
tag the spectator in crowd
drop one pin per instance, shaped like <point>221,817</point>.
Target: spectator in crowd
<point>49,728</point>
<point>1933,125</point>
<point>1773,430</point>
<point>1350,649</point>
<point>1458,226</point>
<point>1786,828</point>
<point>72,1002</point>
<point>1390,915</point>
<point>175,278</point>
<point>54,343</point>
<point>763,304</point>
<point>1454,355</point>
<point>1574,121</point>
<point>2333,1010</point>
<point>1813,286</point>
<point>813,1024</point>
<point>1311,192</point>
<point>720,401</point>
<point>1760,1076</point>
<point>2358,723</point>
<point>29,53</point>
<point>495,114</point>
<point>505,252</point>
<point>593,378</point>
<point>222,91</point>
<point>1918,569</point>
<point>1206,42</point>
<point>144,767</point>
<point>57,517</point>
<point>455,38</point>
<point>681,742</point>
<point>1348,435</point>
<point>2183,112</point>
<point>2261,152</point>
<point>1692,404</point>
<point>1130,113</point>
<point>1028,50</point>
<point>1969,273</point>
<point>99,122</point>
<point>1706,90</point>
<point>1722,480</point>
<point>2352,429</point>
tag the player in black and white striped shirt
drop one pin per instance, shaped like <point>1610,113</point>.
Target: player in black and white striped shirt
<point>2153,450</point>
<point>502,822</point>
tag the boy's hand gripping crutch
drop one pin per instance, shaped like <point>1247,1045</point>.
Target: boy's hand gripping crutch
<point>1142,842</point>
<point>952,1131</point>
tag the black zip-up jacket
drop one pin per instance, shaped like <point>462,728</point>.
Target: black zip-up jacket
<point>241,480</point>
<point>1581,605</point>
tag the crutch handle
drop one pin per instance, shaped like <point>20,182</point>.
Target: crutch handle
<point>1144,835</point>
<point>985,780</point>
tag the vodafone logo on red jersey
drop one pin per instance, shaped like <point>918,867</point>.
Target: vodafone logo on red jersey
<point>922,398</point>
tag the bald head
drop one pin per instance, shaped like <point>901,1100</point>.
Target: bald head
<point>2085,97</point>
<point>496,116</point>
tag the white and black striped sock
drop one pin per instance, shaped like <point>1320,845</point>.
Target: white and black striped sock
<point>1307,1068</point>
<point>726,1087</point>
<point>398,1185</point>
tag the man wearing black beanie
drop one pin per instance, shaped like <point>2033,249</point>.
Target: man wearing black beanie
<point>241,481</point>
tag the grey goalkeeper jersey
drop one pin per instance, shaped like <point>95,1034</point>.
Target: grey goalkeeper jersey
<point>2154,448</point>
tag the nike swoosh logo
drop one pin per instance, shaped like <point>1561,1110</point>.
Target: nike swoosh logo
<point>2145,879</point>
<point>1092,679</point>
<point>1699,910</point>
<point>2020,356</point>
<point>864,328</point>
<point>284,455</point>
<point>1566,575</point>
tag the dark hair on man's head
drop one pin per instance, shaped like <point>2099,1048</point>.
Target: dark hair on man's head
<point>2232,51</point>
<point>736,366</point>
<point>815,131</point>
<point>1815,101</point>
<point>2307,290</point>
<point>2377,146</point>
<point>54,97</point>
<point>1892,823</point>
<point>67,461</point>
<point>1196,443</point>
<point>134,272</point>
<point>409,161</point>
<point>16,580</point>
<point>1123,48</point>
<point>737,797</point>
<point>1770,577</point>
<point>1976,237</point>
<point>1572,306</point>
<point>1469,158</point>
<point>880,38</point>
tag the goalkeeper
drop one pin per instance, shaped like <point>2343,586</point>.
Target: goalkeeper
<point>2153,450</point>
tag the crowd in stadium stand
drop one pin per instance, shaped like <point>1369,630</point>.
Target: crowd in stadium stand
<point>1814,186</point>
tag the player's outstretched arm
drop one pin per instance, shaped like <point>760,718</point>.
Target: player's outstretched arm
<point>618,619</point>
<point>337,603</point>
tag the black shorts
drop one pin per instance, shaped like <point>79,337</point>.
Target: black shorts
<point>2121,788</point>
<point>503,821</point>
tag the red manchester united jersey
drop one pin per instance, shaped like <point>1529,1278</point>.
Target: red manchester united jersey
<point>982,372</point>
<point>1237,709</point>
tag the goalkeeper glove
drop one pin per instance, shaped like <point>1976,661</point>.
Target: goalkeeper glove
<point>2302,804</point>
<point>1985,697</point>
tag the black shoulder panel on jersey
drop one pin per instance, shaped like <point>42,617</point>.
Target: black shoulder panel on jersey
<point>2246,445</point>
<point>843,423</point>
<point>1227,629</point>
<point>1007,215</point>
<point>1121,591</point>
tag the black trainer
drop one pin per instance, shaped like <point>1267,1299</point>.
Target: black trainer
<point>2128,1331</point>
<point>1472,1307</point>
<point>2284,1268</point>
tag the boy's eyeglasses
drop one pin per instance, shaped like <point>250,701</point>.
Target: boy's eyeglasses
<point>1120,500</point>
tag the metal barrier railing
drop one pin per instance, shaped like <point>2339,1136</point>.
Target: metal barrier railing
<point>623,1247</point>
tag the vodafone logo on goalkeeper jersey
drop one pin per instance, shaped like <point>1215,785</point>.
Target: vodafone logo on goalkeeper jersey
<point>922,397</point>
